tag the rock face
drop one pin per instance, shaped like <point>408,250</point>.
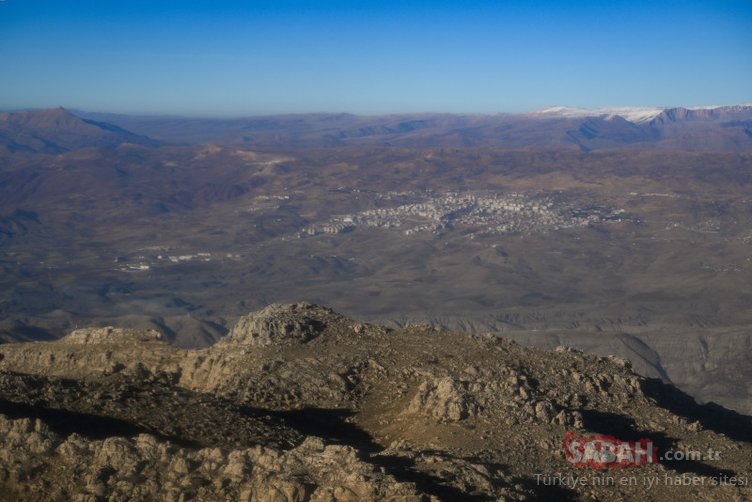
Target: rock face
<point>502,393</point>
<point>112,335</point>
<point>144,468</point>
<point>443,399</point>
<point>280,325</point>
<point>299,403</point>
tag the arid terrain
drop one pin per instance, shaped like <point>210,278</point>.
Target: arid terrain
<point>300,403</point>
<point>640,251</point>
<point>622,234</point>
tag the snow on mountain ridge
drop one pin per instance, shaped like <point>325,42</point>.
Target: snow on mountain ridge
<point>633,114</point>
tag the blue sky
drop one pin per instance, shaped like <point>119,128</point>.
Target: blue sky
<point>231,58</point>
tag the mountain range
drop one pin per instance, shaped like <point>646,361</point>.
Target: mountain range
<point>724,128</point>
<point>57,130</point>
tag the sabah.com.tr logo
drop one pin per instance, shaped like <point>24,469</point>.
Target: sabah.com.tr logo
<point>601,452</point>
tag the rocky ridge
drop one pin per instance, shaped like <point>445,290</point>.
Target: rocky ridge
<point>299,403</point>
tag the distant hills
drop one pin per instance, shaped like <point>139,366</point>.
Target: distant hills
<point>725,129</point>
<point>57,130</point>
<point>716,129</point>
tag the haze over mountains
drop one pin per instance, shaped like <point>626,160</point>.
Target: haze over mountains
<point>725,128</point>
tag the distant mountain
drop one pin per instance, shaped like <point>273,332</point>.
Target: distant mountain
<point>57,130</point>
<point>717,129</point>
<point>720,129</point>
<point>633,114</point>
<point>726,128</point>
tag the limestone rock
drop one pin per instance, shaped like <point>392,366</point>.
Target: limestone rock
<point>111,335</point>
<point>120,468</point>
<point>442,399</point>
<point>279,325</point>
<point>301,403</point>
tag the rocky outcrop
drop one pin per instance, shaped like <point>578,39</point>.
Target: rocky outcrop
<point>301,403</point>
<point>443,399</point>
<point>280,325</point>
<point>503,393</point>
<point>38,464</point>
<point>111,335</point>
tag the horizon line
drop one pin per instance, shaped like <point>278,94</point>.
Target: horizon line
<point>550,110</point>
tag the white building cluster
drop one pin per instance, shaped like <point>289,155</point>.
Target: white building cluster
<point>491,213</point>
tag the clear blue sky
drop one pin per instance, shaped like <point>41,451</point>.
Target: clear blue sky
<point>218,57</point>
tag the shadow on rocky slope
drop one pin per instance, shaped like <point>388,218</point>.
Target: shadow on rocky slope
<point>336,426</point>
<point>710,416</point>
<point>625,428</point>
<point>88,425</point>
